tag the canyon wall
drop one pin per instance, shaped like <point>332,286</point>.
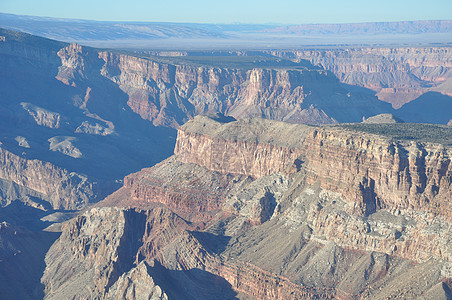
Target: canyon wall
<point>225,157</point>
<point>170,92</point>
<point>370,174</point>
<point>68,137</point>
<point>94,250</point>
<point>371,171</point>
<point>398,75</point>
<point>42,184</point>
<point>308,212</point>
<point>378,173</point>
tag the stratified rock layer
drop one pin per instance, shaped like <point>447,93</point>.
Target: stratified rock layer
<point>370,171</point>
<point>42,184</point>
<point>169,93</point>
<point>399,75</point>
<point>349,215</point>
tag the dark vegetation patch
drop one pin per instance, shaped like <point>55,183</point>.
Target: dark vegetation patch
<point>407,131</point>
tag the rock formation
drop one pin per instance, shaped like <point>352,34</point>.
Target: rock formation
<point>398,75</point>
<point>294,212</point>
<point>383,119</point>
<point>168,92</point>
<point>42,184</point>
<point>247,208</point>
<point>67,139</point>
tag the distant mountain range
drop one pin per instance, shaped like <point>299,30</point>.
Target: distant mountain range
<point>412,27</point>
<point>195,35</point>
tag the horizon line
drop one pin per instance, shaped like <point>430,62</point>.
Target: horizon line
<point>226,23</point>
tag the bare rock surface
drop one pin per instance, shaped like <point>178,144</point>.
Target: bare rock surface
<point>67,137</point>
<point>22,141</point>
<point>42,184</point>
<point>383,119</point>
<point>41,116</point>
<point>331,224</point>
<point>136,284</point>
<point>398,75</point>
<point>245,208</point>
<point>65,145</point>
<point>168,91</point>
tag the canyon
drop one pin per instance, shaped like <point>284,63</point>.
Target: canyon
<point>288,211</point>
<point>83,108</point>
<point>398,75</point>
<point>236,174</point>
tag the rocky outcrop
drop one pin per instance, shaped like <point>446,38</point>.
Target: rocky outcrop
<point>42,116</point>
<point>367,173</point>
<point>65,145</point>
<point>188,189</point>
<point>105,247</point>
<point>93,248</point>
<point>383,119</point>
<point>169,93</point>
<point>253,208</point>
<point>340,219</point>
<point>376,173</point>
<point>227,149</point>
<point>49,186</point>
<point>136,284</point>
<point>70,135</point>
<point>370,171</point>
<point>398,75</point>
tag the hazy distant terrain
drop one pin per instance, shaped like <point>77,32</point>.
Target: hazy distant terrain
<point>230,36</point>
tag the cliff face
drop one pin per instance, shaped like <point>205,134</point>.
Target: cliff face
<point>200,193</point>
<point>87,106</point>
<point>67,135</point>
<point>226,157</point>
<point>376,173</point>
<point>170,93</point>
<point>371,171</point>
<point>253,208</point>
<point>43,185</point>
<point>306,212</point>
<point>398,75</point>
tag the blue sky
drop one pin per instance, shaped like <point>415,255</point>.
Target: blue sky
<point>230,11</point>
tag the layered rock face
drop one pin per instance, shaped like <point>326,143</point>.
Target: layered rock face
<point>77,108</point>
<point>385,173</point>
<point>226,157</point>
<point>398,75</point>
<point>371,171</point>
<point>368,172</point>
<point>169,93</point>
<point>42,184</point>
<point>306,212</point>
<point>201,191</point>
<point>248,208</point>
<point>68,137</point>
